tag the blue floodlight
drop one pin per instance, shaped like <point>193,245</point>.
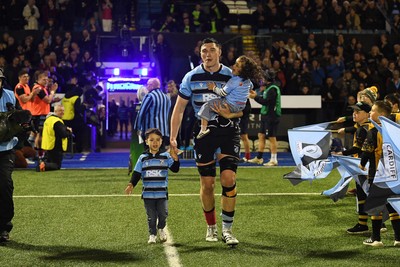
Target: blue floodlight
<point>144,72</point>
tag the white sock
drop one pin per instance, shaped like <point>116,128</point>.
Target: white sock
<point>274,157</point>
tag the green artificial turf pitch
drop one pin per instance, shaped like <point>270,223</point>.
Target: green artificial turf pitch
<point>82,218</point>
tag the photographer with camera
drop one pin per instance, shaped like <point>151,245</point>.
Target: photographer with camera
<point>7,157</point>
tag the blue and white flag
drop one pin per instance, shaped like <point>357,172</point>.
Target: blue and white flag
<point>395,202</point>
<point>351,164</point>
<point>310,151</point>
<point>348,169</point>
<point>352,167</point>
<point>340,189</point>
<point>307,146</point>
<point>386,182</point>
<point>314,127</point>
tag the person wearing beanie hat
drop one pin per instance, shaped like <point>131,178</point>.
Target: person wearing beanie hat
<point>7,156</point>
<point>369,95</point>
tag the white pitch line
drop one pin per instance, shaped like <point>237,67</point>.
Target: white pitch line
<point>170,250</point>
<point>174,195</point>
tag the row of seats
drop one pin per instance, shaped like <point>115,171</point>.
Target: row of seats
<point>239,7</point>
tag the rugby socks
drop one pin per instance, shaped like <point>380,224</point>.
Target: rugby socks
<point>362,216</point>
<point>210,216</point>
<point>227,219</point>
<point>395,220</point>
<point>376,227</point>
<point>247,155</point>
<point>360,198</point>
<point>260,155</point>
<point>274,157</point>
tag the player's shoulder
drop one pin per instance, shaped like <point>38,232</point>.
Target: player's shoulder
<point>225,70</point>
<point>196,70</point>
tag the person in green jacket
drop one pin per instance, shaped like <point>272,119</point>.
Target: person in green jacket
<point>270,99</point>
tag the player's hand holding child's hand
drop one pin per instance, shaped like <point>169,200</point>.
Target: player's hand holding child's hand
<point>173,153</point>
<point>362,167</point>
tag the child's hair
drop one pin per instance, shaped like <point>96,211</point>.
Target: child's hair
<point>152,131</point>
<point>383,107</point>
<point>250,69</point>
<point>393,98</point>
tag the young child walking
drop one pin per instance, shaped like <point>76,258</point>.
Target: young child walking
<point>152,167</point>
<point>234,93</point>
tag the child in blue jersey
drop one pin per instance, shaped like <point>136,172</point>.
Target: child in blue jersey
<point>152,167</point>
<point>234,93</point>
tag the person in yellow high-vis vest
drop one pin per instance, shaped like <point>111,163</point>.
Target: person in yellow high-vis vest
<point>54,140</point>
<point>74,110</point>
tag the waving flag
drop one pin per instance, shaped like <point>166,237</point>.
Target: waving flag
<point>307,146</point>
<point>348,169</point>
<point>310,151</point>
<point>386,182</point>
<point>339,190</point>
<point>351,166</point>
<point>314,127</point>
<point>395,202</point>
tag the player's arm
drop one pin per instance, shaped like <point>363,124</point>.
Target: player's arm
<point>266,100</point>
<point>47,98</point>
<point>24,97</point>
<point>223,110</point>
<point>176,119</point>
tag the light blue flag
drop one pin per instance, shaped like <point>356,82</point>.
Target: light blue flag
<point>307,146</point>
<point>386,182</point>
<point>310,151</point>
<point>395,203</point>
<point>318,169</point>
<point>314,127</point>
<point>351,165</point>
<point>348,169</point>
<point>340,189</point>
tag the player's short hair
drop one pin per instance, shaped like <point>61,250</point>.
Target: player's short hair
<point>210,41</point>
<point>152,131</point>
<point>22,72</point>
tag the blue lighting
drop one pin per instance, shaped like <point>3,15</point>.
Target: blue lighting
<point>144,72</point>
